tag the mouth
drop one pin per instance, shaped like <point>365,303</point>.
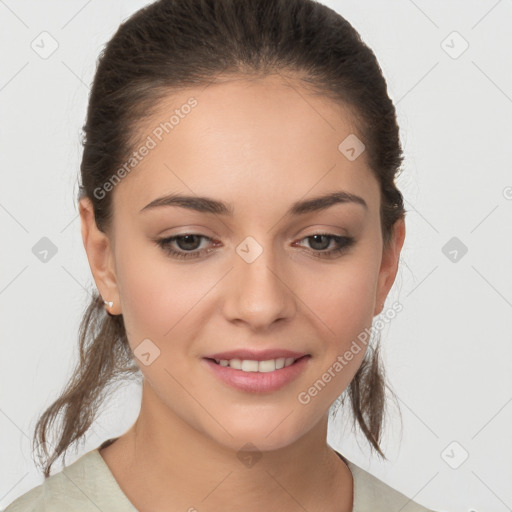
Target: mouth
<point>257,376</point>
<point>252,365</point>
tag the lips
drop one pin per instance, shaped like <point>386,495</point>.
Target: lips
<point>257,382</point>
<point>263,355</point>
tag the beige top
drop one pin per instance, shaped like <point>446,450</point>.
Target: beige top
<point>88,485</point>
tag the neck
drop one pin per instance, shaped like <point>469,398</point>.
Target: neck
<point>162,463</point>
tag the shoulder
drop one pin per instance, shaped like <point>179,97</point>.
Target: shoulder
<point>83,486</point>
<point>372,494</point>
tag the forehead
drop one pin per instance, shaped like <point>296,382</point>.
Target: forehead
<point>265,138</point>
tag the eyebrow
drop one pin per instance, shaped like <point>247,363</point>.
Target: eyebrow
<point>209,205</point>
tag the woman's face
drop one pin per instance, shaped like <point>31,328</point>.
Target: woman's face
<point>256,278</point>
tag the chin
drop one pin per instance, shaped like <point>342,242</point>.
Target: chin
<point>262,434</point>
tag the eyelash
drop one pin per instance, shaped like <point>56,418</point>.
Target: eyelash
<point>344,243</point>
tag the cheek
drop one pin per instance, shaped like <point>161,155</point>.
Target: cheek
<point>341,303</point>
<point>343,297</point>
<point>157,295</point>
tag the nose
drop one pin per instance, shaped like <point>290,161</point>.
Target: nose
<point>258,292</point>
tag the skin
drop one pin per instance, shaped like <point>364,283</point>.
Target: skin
<point>259,144</point>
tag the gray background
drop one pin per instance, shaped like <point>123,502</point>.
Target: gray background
<point>447,354</point>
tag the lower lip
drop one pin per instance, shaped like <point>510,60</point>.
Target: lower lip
<point>258,382</point>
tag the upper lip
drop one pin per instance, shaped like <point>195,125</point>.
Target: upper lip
<point>263,355</point>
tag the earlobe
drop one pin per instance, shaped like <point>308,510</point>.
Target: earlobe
<point>99,254</point>
<point>389,265</point>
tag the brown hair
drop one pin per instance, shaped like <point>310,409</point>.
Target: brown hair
<point>167,46</point>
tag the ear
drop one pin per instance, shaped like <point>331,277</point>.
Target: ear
<point>389,264</point>
<point>100,255</point>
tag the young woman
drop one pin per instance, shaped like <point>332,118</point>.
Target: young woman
<point>242,223</point>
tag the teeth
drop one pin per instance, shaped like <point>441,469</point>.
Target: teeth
<point>248,365</point>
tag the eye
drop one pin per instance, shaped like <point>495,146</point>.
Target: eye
<point>318,242</point>
<point>188,243</point>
